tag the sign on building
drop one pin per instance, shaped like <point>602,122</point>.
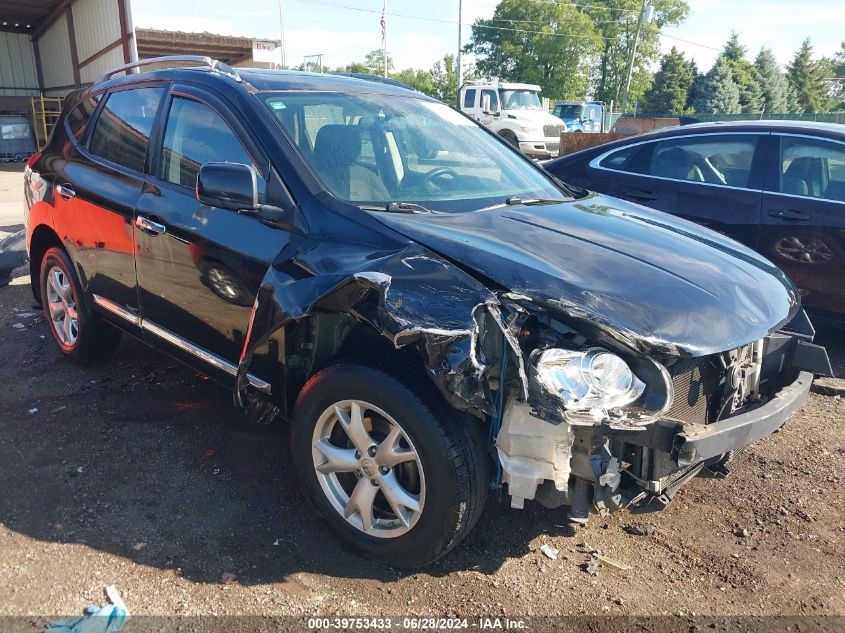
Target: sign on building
<point>262,50</point>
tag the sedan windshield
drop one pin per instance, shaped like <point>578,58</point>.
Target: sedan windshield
<point>378,149</point>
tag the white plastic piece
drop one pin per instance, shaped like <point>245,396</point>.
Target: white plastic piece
<point>532,450</point>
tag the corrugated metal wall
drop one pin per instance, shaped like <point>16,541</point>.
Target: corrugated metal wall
<point>97,24</point>
<point>54,50</point>
<point>18,77</point>
<point>90,72</point>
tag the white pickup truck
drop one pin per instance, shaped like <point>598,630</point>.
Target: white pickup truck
<point>515,112</point>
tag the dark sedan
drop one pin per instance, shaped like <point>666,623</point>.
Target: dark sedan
<point>777,186</point>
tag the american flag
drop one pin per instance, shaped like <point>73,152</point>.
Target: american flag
<point>384,21</point>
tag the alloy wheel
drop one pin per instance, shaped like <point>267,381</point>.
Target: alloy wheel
<point>368,468</point>
<point>61,305</point>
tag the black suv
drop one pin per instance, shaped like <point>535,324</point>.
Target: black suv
<point>432,313</point>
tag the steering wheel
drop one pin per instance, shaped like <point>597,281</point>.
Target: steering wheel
<point>438,172</point>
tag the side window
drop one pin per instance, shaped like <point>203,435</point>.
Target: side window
<point>494,99</point>
<point>619,160</point>
<point>122,131</point>
<point>77,119</point>
<point>469,98</point>
<point>812,167</point>
<point>196,134</point>
<point>721,159</point>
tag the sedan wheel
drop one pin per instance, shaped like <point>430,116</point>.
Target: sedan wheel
<point>368,468</point>
<point>61,305</point>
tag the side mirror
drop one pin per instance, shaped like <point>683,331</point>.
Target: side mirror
<point>485,104</point>
<point>228,186</point>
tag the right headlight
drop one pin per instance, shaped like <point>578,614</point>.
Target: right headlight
<point>595,378</point>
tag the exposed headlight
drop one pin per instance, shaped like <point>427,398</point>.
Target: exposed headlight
<point>532,131</point>
<point>591,379</point>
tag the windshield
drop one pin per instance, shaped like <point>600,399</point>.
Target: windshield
<point>379,148</point>
<point>571,111</point>
<point>521,100</point>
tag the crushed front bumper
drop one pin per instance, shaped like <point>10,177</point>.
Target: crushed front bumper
<point>701,442</point>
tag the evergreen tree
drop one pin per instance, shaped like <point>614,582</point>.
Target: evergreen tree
<point>672,82</point>
<point>772,81</point>
<point>717,92</point>
<point>744,75</point>
<point>839,73</point>
<point>807,77</point>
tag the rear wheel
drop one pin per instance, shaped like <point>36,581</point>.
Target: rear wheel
<point>81,336</point>
<point>394,472</point>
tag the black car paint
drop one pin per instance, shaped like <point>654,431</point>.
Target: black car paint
<point>754,215</point>
<point>426,282</point>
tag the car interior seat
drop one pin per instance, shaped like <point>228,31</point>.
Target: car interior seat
<point>336,150</point>
<point>804,177</point>
<point>676,163</point>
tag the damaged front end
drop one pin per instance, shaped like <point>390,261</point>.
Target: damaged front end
<point>604,428</point>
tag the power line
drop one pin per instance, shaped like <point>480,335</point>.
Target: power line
<point>487,26</point>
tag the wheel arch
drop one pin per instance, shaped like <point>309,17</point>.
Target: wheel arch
<point>42,239</point>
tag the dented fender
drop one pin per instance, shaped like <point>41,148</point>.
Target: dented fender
<point>407,294</point>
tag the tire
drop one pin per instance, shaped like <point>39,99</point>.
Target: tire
<point>447,474</point>
<point>90,339</point>
<point>510,137</point>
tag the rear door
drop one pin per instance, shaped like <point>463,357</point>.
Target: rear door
<point>97,189</point>
<point>803,223</point>
<point>199,267</point>
<point>711,179</point>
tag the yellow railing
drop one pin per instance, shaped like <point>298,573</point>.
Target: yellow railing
<point>45,114</point>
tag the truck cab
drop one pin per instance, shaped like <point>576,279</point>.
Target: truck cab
<point>515,112</point>
<point>578,116</point>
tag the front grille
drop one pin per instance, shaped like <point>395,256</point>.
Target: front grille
<point>552,130</point>
<point>696,384</point>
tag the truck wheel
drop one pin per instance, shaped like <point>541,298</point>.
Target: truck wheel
<point>82,337</point>
<point>510,137</point>
<point>394,472</point>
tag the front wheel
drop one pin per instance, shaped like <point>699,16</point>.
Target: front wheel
<point>394,472</point>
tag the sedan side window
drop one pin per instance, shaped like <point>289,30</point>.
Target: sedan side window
<point>122,131</point>
<point>812,167</point>
<point>718,159</point>
<point>196,134</point>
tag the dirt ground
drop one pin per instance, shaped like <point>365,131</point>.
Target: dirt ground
<point>133,474</point>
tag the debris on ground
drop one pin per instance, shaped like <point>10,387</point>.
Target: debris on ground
<point>635,529</point>
<point>592,566</point>
<point>612,562</point>
<point>228,578</point>
<point>208,454</point>
<point>33,411</point>
<point>741,532</point>
<point>106,619</point>
<point>549,551</point>
<point>18,326</point>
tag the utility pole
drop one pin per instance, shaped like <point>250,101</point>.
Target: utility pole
<point>281,34</point>
<point>384,35</point>
<point>460,69</point>
<point>646,14</point>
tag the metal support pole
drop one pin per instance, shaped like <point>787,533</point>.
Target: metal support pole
<point>459,70</point>
<point>281,35</point>
<point>384,12</point>
<point>631,58</point>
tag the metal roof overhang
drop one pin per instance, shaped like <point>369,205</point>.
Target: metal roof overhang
<point>155,43</point>
<point>29,16</point>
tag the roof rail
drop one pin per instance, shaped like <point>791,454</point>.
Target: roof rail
<point>215,65</point>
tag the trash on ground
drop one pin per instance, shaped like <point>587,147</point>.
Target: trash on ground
<point>33,411</point>
<point>19,326</point>
<point>106,619</point>
<point>592,566</point>
<point>549,551</point>
<point>612,562</point>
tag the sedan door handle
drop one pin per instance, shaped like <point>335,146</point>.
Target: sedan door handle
<point>148,226</point>
<point>642,194</point>
<point>791,215</point>
<point>65,191</point>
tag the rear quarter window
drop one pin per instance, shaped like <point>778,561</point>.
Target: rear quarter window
<point>78,118</point>
<point>122,131</point>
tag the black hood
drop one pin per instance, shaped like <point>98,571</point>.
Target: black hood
<point>653,281</point>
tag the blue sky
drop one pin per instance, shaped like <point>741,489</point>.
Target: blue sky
<point>419,33</point>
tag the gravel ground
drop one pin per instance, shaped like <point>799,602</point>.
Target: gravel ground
<point>134,474</point>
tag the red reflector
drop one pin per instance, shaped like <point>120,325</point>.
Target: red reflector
<point>33,159</point>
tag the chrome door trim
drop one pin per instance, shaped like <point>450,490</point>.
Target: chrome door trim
<point>177,341</point>
<point>594,164</point>
<point>119,310</point>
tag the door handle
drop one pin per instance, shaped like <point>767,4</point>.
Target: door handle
<point>65,191</point>
<point>642,194</point>
<point>791,215</point>
<point>148,226</point>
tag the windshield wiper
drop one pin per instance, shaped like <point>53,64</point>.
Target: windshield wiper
<point>396,207</point>
<point>518,201</point>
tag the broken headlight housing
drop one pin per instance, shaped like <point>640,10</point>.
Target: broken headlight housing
<point>590,379</point>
